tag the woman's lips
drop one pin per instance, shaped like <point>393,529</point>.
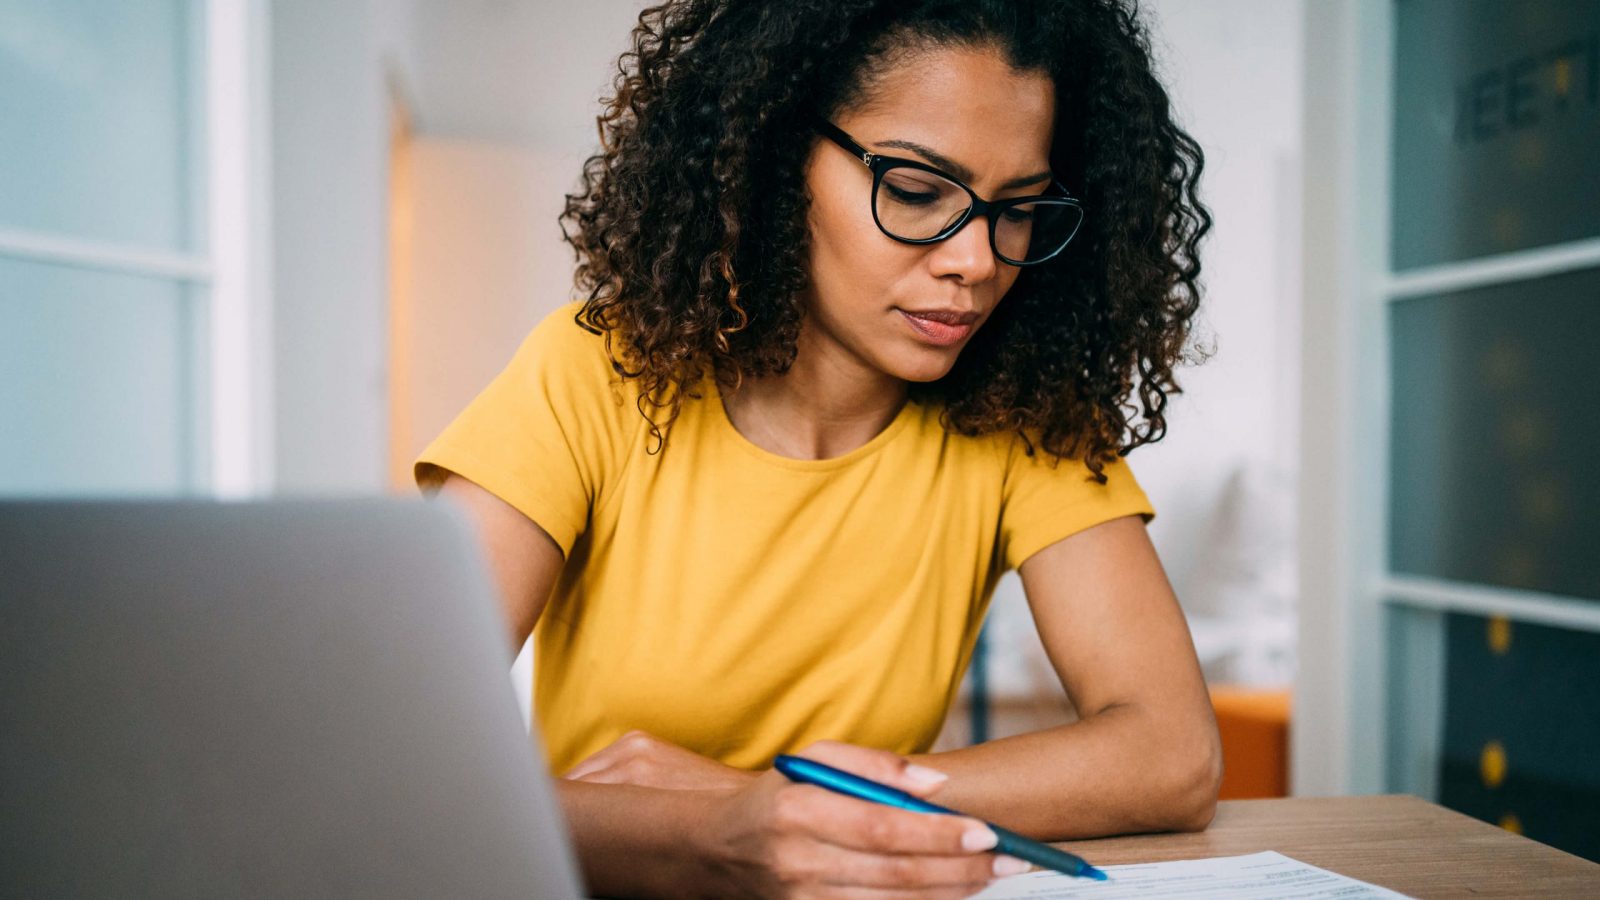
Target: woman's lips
<point>937,333</point>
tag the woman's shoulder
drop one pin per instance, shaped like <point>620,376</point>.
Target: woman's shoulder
<point>560,340</point>
<point>562,353</point>
<point>562,371</point>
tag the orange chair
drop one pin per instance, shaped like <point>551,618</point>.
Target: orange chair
<point>1254,723</point>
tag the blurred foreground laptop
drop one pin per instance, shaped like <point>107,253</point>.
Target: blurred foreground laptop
<point>280,699</point>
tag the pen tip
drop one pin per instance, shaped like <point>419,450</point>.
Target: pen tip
<point>1092,872</point>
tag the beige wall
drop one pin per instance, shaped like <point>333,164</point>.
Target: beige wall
<point>486,264</point>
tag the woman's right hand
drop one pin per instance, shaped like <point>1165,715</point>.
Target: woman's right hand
<point>775,838</point>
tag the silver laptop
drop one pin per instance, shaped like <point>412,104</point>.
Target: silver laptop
<point>279,699</point>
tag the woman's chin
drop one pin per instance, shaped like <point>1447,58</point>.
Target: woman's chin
<point>924,367</point>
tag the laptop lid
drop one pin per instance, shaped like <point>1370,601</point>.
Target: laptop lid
<point>273,699</point>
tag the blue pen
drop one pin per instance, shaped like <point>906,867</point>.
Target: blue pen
<point>807,771</point>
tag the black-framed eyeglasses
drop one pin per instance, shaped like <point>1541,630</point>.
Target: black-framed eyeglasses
<point>916,203</point>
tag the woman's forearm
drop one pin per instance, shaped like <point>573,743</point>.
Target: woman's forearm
<point>633,841</point>
<point>1120,771</point>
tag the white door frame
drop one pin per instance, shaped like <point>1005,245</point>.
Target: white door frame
<point>239,222</point>
<point>1337,738</point>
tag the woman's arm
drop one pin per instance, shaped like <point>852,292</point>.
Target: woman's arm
<point>523,558</point>
<point>1145,755</point>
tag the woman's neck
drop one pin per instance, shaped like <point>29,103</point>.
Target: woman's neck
<point>829,403</point>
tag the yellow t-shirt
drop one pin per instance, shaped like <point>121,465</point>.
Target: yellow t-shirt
<point>740,603</point>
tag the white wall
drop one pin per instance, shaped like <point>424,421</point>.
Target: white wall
<point>330,186</point>
<point>1234,69</point>
<point>518,72</point>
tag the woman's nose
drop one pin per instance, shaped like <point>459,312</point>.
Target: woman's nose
<point>966,253</point>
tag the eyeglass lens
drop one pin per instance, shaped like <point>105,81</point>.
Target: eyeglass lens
<point>918,205</point>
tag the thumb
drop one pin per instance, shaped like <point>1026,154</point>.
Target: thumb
<point>881,766</point>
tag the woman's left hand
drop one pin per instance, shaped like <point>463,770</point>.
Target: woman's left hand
<point>645,760</point>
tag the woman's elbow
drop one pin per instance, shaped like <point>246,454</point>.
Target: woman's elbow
<point>1194,793</point>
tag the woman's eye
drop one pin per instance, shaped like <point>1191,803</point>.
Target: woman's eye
<point>1017,214</point>
<point>910,197</point>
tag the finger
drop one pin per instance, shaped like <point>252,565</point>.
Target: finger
<point>873,827</point>
<point>839,892</point>
<point>842,892</point>
<point>593,763</point>
<point>811,868</point>
<point>618,774</point>
<point>879,765</point>
<point>853,868</point>
<point>630,745</point>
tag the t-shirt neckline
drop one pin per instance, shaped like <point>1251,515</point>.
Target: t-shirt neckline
<point>872,446</point>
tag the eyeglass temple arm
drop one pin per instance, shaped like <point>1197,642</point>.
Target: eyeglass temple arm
<point>837,135</point>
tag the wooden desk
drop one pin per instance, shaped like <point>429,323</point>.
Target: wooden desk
<point>1400,842</point>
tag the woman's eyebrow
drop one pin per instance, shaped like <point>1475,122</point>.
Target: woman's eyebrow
<point>955,168</point>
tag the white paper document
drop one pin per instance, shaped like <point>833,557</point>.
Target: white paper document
<point>1258,876</point>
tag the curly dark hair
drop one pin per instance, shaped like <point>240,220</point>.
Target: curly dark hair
<point>691,234</point>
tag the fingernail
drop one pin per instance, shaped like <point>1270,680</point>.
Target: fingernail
<point>980,839</point>
<point>1009,865</point>
<point>924,775</point>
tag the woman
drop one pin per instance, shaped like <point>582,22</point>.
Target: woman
<point>878,294</point>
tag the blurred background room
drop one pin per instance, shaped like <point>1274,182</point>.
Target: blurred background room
<point>253,248</point>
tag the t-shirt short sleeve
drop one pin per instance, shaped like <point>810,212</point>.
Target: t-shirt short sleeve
<point>547,432</point>
<point>1045,501</point>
